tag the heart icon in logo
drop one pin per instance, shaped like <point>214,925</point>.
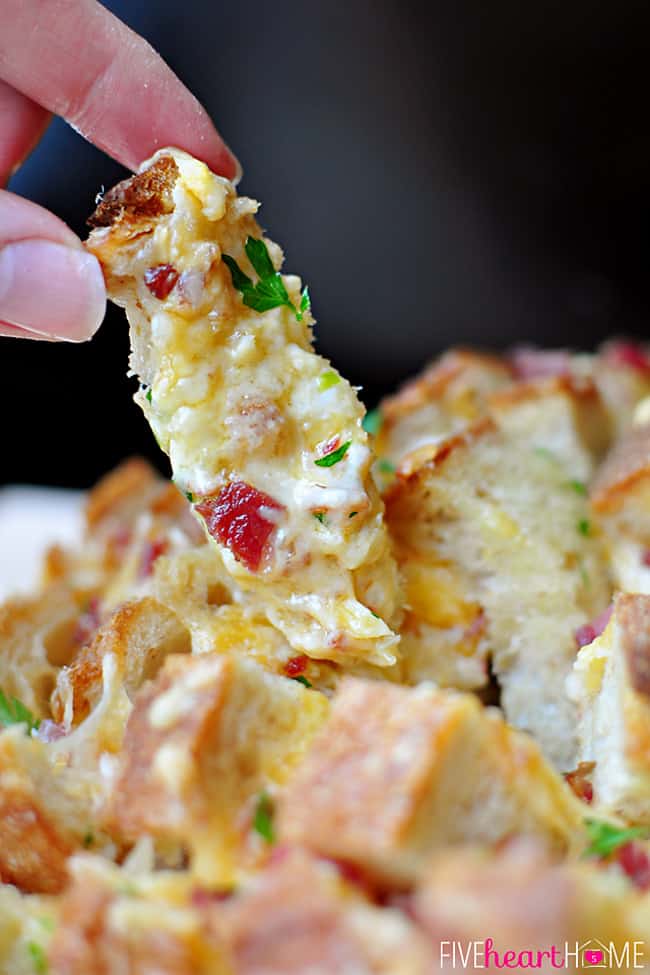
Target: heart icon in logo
<point>593,957</point>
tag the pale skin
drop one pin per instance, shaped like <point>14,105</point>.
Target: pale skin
<point>73,58</point>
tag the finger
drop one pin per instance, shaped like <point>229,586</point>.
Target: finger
<point>79,61</point>
<point>23,123</point>
<point>49,285</point>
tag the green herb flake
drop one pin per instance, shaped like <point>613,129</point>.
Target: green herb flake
<point>190,497</point>
<point>263,821</point>
<point>13,711</point>
<point>372,422</point>
<point>46,922</point>
<point>328,379</point>
<point>353,514</point>
<point>37,956</point>
<point>320,516</point>
<point>335,456</point>
<point>584,527</point>
<point>270,291</point>
<point>89,839</point>
<point>386,466</point>
<point>147,395</point>
<point>605,838</point>
<point>584,575</point>
<point>302,680</point>
<point>376,615</point>
<point>579,487</point>
<point>305,301</point>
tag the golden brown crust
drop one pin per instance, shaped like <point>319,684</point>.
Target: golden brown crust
<point>580,389</point>
<point>145,195</point>
<point>424,459</point>
<point>627,462</point>
<point>632,612</point>
<point>125,483</point>
<point>33,852</point>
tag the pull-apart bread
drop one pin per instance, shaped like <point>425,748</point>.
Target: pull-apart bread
<point>354,691</point>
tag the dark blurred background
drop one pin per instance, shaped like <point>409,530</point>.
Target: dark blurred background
<point>438,172</point>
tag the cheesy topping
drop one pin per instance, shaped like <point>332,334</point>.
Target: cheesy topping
<point>274,458</point>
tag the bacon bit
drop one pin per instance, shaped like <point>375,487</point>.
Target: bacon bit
<point>476,627</point>
<point>161,280</point>
<point>530,363</point>
<point>88,623</point>
<point>296,665</point>
<point>236,518</point>
<point>201,897</point>
<point>588,632</point>
<point>579,781</point>
<point>629,354</point>
<point>635,864</point>
<point>50,731</point>
<point>645,558</point>
<point>152,551</point>
<point>121,539</point>
<point>355,876</point>
<point>328,446</point>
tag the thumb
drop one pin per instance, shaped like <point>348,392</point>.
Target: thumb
<point>50,287</point>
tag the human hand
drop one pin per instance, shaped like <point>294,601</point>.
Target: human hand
<point>75,59</point>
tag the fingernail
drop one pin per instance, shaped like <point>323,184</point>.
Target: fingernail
<point>51,289</point>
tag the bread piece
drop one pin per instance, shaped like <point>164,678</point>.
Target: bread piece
<point>45,813</point>
<point>205,740</point>
<point>140,634</point>
<point>299,916</point>
<point>397,773</point>
<point>114,921</point>
<point>447,396</point>
<point>247,412</point>
<point>611,685</point>
<point>526,903</point>
<point>500,563</point>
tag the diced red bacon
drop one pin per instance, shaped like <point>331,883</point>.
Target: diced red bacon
<point>152,551</point>
<point>296,665</point>
<point>588,632</point>
<point>635,864</point>
<point>629,354</point>
<point>161,280</point>
<point>201,897</point>
<point>238,517</point>
<point>530,363</point>
<point>580,781</point>
<point>328,446</point>
<point>645,558</point>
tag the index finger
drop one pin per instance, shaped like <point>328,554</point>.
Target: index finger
<point>79,61</point>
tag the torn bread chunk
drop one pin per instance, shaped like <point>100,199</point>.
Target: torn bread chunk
<point>113,920</point>
<point>501,564</point>
<point>620,496</point>
<point>397,773</point>
<point>564,416</point>
<point>207,739</point>
<point>140,635</point>
<point>528,903</point>
<point>447,396</point>
<point>46,812</point>
<point>298,915</point>
<point>611,685</point>
<point>263,434</point>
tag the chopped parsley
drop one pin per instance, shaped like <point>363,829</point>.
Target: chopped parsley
<point>270,291</point>
<point>263,821</point>
<point>13,711</point>
<point>335,456</point>
<point>353,514</point>
<point>147,395</point>
<point>89,839</point>
<point>606,838</point>
<point>372,422</point>
<point>584,575</point>
<point>37,956</point>
<point>328,379</point>
<point>584,527</point>
<point>545,453</point>
<point>189,496</point>
<point>303,680</point>
<point>386,466</point>
<point>320,516</point>
<point>579,487</point>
